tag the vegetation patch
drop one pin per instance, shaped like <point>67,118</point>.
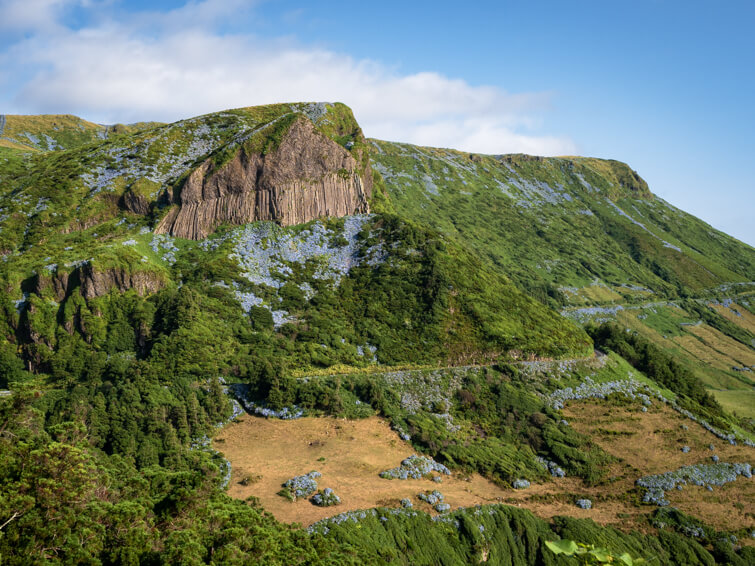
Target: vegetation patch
<point>706,475</point>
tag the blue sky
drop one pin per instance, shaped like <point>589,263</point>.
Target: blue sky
<point>666,86</point>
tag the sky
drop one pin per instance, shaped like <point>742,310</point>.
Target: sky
<point>665,86</point>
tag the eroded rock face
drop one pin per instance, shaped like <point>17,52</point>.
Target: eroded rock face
<point>96,283</point>
<point>308,176</point>
<point>137,204</point>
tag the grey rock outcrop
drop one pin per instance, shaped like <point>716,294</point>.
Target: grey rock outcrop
<point>93,282</point>
<point>307,176</point>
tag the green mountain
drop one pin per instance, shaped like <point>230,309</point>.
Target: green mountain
<point>57,132</point>
<point>587,237</point>
<point>558,225</point>
<point>157,277</point>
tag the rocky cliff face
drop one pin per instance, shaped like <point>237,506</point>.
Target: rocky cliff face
<point>307,176</point>
<point>94,283</point>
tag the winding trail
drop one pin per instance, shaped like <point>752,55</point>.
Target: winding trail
<point>597,357</point>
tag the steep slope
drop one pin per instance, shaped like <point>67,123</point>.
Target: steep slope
<point>147,171</point>
<point>119,215</point>
<point>560,223</point>
<point>57,132</point>
<point>60,209</point>
<point>588,237</point>
<point>304,176</point>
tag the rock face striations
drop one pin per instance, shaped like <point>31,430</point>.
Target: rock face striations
<point>306,176</point>
<point>93,282</point>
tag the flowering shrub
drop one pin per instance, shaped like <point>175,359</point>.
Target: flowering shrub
<point>520,484</point>
<point>325,498</point>
<point>706,475</point>
<point>415,467</point>
<point>300,487</point>
<point>590,390</point>
<point>265,255</point>
<point>551,467</point>
<point>432,497</point>
<point>241,392</point>
<point>584,503</point>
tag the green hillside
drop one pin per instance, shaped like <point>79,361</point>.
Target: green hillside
<point>553,224</point>
<point>586,236</point>
<point>57,132</point>
<point>162,285</point>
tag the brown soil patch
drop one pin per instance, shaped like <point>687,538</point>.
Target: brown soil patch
<point>650,443</point>
<point>354,453</point>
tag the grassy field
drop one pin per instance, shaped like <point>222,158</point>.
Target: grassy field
<point>651,443</point>
<point>745,318</point>
<point>706,351</point>
<point>741,403</point>
<point>350,455</point>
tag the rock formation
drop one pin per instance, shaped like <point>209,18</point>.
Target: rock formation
<point>307,176</point>
<point>95,283</point>
<point>138,204</point>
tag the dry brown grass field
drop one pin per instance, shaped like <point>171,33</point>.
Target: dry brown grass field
<point>651,443</point>
<point>351,454</point>
<point>727,348</point>
<point>746,320</point>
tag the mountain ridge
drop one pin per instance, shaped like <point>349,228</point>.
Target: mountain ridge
<point>533,322</point>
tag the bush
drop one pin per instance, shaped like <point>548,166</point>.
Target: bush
<point>325,498</point>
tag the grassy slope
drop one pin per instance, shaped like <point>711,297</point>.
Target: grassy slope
<point>579,232</point>
<point>57,132</point>
<point>554,221</point>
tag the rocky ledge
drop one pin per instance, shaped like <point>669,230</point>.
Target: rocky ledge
<point>93,282</point>
<point>307,176</point>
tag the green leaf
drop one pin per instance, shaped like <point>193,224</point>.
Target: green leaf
<point>568,547</point>
<point>601,555</point>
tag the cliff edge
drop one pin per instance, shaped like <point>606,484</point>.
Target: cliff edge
<point>291,177</point>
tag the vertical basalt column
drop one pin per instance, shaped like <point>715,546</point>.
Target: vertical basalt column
<point>308,176</point>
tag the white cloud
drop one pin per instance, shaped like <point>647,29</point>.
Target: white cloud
<point>38,15</point>
<point>22,15</point>
<point>175,65</point>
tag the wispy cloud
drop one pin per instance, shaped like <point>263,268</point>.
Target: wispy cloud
<point>171,65</point>
<point>30,15</point>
